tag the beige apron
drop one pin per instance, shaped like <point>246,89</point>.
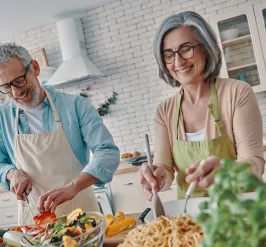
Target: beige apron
<point>48,160</point>
<point>188,153</point>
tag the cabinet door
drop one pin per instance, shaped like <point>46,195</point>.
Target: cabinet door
<point>9,216</point>
<point>260,13</point>
<point>242,52</point>
<point>127,193</point>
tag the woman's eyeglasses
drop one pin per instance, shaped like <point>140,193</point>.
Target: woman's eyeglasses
<point>20,81</point>
<point>184,52</point>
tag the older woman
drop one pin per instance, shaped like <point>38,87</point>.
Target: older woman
<point>209,118</point>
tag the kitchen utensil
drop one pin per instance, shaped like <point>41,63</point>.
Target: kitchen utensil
<point>176,207</point>
<point>138,161</point>
<point>190,190</point>
<point>141,218</point>
<point>242,77</point>
<point>157,206</point>
<point>229,34</point>
<point>27,200</point>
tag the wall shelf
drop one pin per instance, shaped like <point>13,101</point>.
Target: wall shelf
<point>242,67</point>
<point>236,41</point>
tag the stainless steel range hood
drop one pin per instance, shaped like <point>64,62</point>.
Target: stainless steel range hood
<point>76,66</point>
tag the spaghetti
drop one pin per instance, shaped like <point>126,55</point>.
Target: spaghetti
<point>180,231</point>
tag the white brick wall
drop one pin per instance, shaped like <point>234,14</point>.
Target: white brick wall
<point>119,40</point>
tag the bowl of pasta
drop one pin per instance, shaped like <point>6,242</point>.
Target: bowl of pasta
<point>166,231</point>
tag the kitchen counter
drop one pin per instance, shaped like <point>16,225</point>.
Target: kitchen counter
<point>113,241</point>
<point>124,167</point>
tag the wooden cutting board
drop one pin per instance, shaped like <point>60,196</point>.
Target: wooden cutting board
<point>119,238</point>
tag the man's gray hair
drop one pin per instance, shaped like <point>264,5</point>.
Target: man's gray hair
<point>9,50</point>
<point>204,34</point>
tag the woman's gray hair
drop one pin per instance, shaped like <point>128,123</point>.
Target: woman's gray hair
<point>9,50</point>
<point>204,34</point>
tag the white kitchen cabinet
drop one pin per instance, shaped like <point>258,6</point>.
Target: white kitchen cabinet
<point>243,56</point>
<point>128,195</point>
<point>260,13</point>
<point>8,209</point>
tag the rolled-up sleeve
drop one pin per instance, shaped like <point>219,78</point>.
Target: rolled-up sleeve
<point>106,155</point>
<point>248,130</point>
<point>5,165</point>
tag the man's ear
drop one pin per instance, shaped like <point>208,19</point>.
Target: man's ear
<point>36,67</point>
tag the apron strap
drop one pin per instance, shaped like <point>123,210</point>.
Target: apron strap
<point>55,113</point>
<point>215,109</point>
<point>178,104</point>
<point>16,121</point>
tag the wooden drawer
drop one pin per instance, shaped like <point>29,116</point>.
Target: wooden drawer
<point>9,216</point>
<point>8,199</point>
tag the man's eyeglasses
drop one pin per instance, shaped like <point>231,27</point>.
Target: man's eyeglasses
<point>20,81</point>
<point>184,52</point>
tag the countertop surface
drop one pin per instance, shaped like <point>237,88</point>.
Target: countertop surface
<point>124,167</point>
<point>119,238</point>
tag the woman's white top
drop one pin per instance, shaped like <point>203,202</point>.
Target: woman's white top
<point>194,137</point>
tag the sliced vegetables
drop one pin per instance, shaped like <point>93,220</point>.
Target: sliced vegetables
<point>44,218</point>
<point>118,223</point>
<point>77,223</point>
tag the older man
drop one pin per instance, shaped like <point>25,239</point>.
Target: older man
<point>45,139</point>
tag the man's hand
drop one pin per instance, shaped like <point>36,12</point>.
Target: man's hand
<point>19,182</point>
<point>53,198</point>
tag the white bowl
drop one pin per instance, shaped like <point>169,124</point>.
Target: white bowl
<point>229,34</point>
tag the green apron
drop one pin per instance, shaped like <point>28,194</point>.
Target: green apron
<point>188,153</point>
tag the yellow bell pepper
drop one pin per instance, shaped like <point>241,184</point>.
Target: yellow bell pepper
<point>88,227</point>
<point>64,230</point>
<point>120,226</point>
<point>109,218</point>
<point>73,215</point>
<point>69,242</point>
<point>119,215</point>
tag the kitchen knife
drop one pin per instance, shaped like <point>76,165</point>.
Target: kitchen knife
<point>141,218</point>
<point>27,200</point>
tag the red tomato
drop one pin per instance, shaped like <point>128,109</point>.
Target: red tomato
<point>1,240</point>
<point>78,231</point>
<point>17,229</point>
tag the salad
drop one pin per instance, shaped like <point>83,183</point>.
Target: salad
<point>72,229</point>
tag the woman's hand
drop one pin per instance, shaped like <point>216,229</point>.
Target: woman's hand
<point>155,179</point>
<point>203,171</point>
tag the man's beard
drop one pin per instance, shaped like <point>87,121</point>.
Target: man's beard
<point>35,100</point>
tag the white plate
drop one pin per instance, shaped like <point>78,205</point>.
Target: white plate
<point>175,207</point>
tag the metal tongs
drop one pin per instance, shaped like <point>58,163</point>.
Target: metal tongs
<point>157,206</point>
